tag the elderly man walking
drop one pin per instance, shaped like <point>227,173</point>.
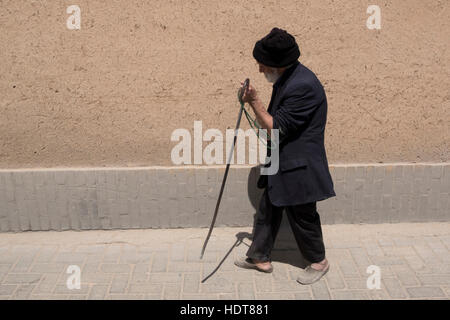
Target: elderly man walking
<point>298,109</point>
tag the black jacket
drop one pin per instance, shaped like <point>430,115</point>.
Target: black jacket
<point>299,110</point>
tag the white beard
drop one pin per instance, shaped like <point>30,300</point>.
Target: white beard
<point>272,77</point>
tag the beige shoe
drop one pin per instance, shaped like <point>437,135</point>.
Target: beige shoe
<point>246,263</point>
<point>310,275</point>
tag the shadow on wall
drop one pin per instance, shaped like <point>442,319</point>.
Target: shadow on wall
<point>285,241</point>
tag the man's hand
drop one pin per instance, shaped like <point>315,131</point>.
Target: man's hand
<point>262,116</point>
<point>250,95</point>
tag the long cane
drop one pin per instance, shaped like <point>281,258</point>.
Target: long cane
<point>243,89</point>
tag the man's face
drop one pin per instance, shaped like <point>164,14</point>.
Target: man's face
<point>271,74</point>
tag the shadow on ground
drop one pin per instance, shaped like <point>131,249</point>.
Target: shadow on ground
<point>285,249</point>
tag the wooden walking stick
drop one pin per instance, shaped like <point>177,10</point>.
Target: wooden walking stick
<point>241,93</point>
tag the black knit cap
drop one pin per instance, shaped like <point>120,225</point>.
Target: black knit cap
<point>278,49</point>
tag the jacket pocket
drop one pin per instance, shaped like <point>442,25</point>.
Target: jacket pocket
<point>294,163</point>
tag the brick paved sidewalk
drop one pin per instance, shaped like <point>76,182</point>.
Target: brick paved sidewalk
<point>164,264</point>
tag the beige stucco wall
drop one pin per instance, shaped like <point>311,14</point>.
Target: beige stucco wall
<point>113,92</point>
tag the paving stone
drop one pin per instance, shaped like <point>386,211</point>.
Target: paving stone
<point>446,290</point>
<point>4,269</point>
<point>75,258</point>
<point>385,242</point>
<point>434,268</point>
<point>177,252</point>
<point>140,273</point>
<point>92,249</point>
<point>320,290</point>
<point>385,271</point>
<point>445,239</point>
<point>133,258</point>
<point>227,296</point>
<point>177,266</point>
<point>199,296</point>
<point>425,292</point>
<point>152,296</point>
<point>350,295</point>
<point>302,295</point>
<point>378,294</point>
<point>348,268</point>
<point>112,253</point>
<point>49,297</point>
<point>25,249</point>
<point>217,284</point>
<point>275,296</point>
<point>151,248</point>
<point>159,263</point>
<point>346,244</point>
<point>360,256</point>
<point>8,259</point>
<point>23,291</point>
<point>288,286</point>
<point>98,292</point>
<point>394,288</point>
<point>405,274</point>
<point>77,297</point>
<point>23,264</point>
<point>94,258</point>
<point>404,240</point>
<point>246,291</point>
<point>425,252</point>
<point>263,284</point>
<point>193,255</point>
<point>7,289</point>
<point>95,277</point>
<point>125,297</point>
<point>356,283</point>
<point>91,267</point>
<point>209,267</point>
<point>281,273</point>
<point>115,268</point>
<point>145,288</point>
<point>47,284</point>
<point>387,260</point>
<point>415,263</point>
<point>244,276</point>
<point>49,268</point>
<point>372,248</point>
<point>119,284</point>
<point>22,278</point>
<point>63,289</point>
<point>191,283</point>
<point>172,291</point>
<point>338,254</point>
<point>168,277</point>
<point>434,279</point>
<point>334,278</point>
<point>400,251</point>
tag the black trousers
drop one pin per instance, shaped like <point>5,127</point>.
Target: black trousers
<point>305,224</point>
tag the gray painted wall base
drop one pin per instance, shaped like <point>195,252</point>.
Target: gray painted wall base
<point>179,197</point>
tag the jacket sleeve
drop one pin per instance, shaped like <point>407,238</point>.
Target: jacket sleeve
<point>294,111</point>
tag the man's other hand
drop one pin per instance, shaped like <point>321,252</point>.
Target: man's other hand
<point>250,95</point>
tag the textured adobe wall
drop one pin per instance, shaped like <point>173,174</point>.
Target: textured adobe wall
<point>113,92</point>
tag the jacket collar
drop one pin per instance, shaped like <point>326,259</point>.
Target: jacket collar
<point>280,81</point>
